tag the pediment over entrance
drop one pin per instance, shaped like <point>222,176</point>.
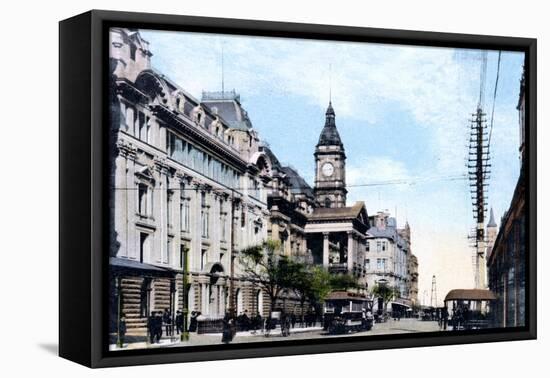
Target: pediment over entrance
<point>357,212</point>
<point>145,173</point>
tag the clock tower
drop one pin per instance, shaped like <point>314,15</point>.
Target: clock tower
<point>330,165</point>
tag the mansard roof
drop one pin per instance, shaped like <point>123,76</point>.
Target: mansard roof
<point>297,183</point>
<point>329,135</point>
<point>228,106</point>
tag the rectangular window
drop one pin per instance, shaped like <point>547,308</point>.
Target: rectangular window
<point>379,264</point>
<point>223,223</point>
<point>169,194</point>
<point>367,264</point>
<point>140,120</point>
<point>171,141</point>
<point>204,216</point>
<point>378,246</point>
<point>367,246</point>
<point>167,256</point>
<point>383,246</point>
<point>143,246</point>
<point>143,199</point>
<point>204,257</point>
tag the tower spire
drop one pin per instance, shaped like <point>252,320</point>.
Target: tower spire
<point>492,222</point>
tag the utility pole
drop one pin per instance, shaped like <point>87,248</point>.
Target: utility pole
<point>433,301</point>
<point>478,172</point>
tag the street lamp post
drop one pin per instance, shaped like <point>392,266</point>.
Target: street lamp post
<point>232,258</point>
<point>184,259</point>
<point>119,311</point>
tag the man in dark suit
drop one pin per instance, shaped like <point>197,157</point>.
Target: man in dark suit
<point>151,327</point>
<point>179,322</point>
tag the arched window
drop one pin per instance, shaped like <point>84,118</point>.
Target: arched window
<point>327,202</point>
<point>240,306</point>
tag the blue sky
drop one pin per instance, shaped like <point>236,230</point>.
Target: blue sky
<point>402,113</point>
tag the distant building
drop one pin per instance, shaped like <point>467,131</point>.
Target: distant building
<point>336,233</point>
<point>506,261</point>
<point>388,259</point>
<point>413,280</point>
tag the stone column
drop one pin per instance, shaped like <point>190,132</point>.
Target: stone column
<point>121,204</point>
<point>325,249</point>
<point>132,236</point>
<point>351,251</point>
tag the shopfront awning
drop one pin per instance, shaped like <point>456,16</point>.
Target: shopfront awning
<point>470,295</point>
<point>400,304</point>
<point>125,266</point>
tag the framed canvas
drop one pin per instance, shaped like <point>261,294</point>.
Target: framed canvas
<point>235,188</point>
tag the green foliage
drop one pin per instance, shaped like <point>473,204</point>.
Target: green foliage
<point>274,272</point>
<point>387,293</point>
<point>269,268</point>
<point>343,282</point>
<point>319,284</point>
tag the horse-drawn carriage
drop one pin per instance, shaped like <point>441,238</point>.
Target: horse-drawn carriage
<point>346,312</point>
<point>469,308</point>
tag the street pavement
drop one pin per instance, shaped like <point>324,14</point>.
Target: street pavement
<point>390,327</point>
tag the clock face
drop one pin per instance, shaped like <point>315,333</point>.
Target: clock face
<point>327,169</point>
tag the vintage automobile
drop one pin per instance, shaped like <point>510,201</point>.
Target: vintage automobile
<point>346,312</point>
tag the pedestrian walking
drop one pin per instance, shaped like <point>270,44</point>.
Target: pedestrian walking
<point>228,327</point>
<point>151,327</point>
<point>167,321</point>
<point>193,321</point>
<point>444,318</point>
<point>158,326</point>
<point>122,328</point>
<point>179,322</point>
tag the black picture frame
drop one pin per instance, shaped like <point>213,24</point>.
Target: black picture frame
<point>84,203</point>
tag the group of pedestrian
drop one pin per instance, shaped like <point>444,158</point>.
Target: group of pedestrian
<point>396,314</point>
<point>155,324</point>
<point>309,319</point>
<point>252,323</point>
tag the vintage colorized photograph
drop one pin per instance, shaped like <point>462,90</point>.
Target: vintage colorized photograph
<point>269,189</point>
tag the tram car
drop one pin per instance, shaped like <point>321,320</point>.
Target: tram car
<point>346,312</point>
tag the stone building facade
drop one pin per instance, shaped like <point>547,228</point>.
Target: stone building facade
<point>336,233</point>
<point>507,255</point>
<point>413,280</point>
<point>389,260</point>
<point>188,176</point>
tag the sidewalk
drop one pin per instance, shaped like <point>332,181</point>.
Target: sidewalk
<point>211,338</point>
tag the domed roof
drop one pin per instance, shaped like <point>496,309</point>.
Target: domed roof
<point>329,135</point>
